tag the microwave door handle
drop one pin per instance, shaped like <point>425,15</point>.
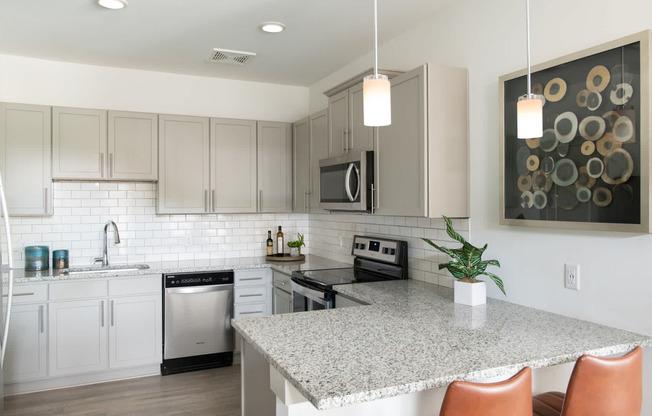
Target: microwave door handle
<point>347,182</point>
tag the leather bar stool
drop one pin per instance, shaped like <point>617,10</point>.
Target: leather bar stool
<point>598,387</point>
<point>511,397</point>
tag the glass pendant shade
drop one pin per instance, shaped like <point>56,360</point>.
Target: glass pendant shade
<point>529,117</point>
<point>377,103</point>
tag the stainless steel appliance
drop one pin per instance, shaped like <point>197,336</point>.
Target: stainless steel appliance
<point>376,259</point>
<point>345,182</point>
<point>5,321</point>
<point>197,312</point>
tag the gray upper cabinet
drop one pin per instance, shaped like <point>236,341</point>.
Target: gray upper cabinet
<point>132,146</point>
<point>25,159</point>
<point>301,165</point>
<point>184,159</point>
<point>318,151</point>
<point>233,166</point>
<point>274,167</point>
<point>347,132</point>
<point>422,157</point>
<point>99,145</point>
<point>79,143</point>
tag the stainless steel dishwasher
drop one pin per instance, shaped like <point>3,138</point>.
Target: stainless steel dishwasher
<point>197,312</point>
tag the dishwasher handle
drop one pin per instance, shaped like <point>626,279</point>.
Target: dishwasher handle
<point>198,289</point>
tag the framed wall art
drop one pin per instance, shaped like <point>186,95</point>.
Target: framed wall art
<point>590,169</point>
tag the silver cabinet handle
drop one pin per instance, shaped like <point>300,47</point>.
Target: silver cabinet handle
<point>41,313</point>
<point>205,200</point>
<point>260,200</point>
<point>112,314</point>
<point>213,200</point>
<point>349,141</point>
<point>373,191</point>
<point>111,165</point>
<point>102,165</point>
<point>20,294</point>
<point>345,139</point>
<point>244,279</point>
<point>250,313</point>
<point>46,200</point>
<point>251,296</point>
<point>102,313</point>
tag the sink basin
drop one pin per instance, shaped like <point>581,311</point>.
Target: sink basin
<point>105,269</point>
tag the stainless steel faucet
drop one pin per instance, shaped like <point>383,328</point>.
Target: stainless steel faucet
<point>116,239</point>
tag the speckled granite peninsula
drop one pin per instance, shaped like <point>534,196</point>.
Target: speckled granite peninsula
<point>413,338</point>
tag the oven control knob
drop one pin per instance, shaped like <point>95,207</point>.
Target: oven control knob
<point>385,250</point>
<point>392,252</point>
<point>362,247</point>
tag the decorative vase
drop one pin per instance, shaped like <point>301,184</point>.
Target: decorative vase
<point>471,294</point>
<point>294,252</point>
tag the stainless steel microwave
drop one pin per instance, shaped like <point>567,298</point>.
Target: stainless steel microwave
<point>345,182</point>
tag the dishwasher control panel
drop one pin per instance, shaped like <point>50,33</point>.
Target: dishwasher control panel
<point>223,277</point>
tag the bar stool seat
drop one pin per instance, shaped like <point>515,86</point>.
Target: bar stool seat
<point>598,387</point>
<point>512,397</point>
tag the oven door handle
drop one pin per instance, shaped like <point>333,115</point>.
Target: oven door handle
<point>347,182</point>
<point>311,294</point>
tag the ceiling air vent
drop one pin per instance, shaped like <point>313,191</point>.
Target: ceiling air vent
<point>225,56</point>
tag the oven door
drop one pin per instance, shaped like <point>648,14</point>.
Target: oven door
<point>306,299</point>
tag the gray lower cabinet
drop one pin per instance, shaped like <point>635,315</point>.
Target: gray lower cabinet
<point>282,293</point>
<point>25,158</point>
<point>421,159</point>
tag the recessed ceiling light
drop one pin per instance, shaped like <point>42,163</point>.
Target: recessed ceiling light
<point>272,27</point>
<point>113,4</point>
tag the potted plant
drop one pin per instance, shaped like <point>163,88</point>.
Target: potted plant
<point>466,265</point>
<point>295,246</point>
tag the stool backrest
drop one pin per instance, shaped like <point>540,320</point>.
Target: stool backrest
<point>511,397</point>
<point>606,386</point>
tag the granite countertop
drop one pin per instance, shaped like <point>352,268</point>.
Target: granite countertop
<point>53,275</point>
<point>413,337</point>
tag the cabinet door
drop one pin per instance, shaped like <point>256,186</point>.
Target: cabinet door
<point>26,356</point>
<point>233,165</point>
<point>282,301</point>
<point>360,137</point>
<point>274,167</point>
<point>183,165</point>
<point>133,146</point>
<point>301,171</point>
<point>135,329</point>
<point>78,143</point>
<point>401,157</point>
<point>77,337</point>
<point>318,151</point>
<point>338,124</point>
<point>25,158</point>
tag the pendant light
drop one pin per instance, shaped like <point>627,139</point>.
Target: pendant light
<point>377,104</point>
<point>529,109</point>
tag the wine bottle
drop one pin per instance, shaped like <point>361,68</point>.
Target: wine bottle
<point>279,242</point>
<point>270,243</point>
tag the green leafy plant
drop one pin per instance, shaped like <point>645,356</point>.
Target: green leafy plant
<point>298,243</point>
<point>466,262</point>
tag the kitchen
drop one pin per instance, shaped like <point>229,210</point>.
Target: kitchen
<point>465,35</point>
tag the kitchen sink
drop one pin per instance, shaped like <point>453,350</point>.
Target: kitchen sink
<point>105,269</point>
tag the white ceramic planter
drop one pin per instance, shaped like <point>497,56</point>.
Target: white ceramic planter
<point>471,294</point>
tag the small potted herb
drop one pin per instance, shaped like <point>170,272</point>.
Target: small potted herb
<point>295,246</point>
<point>466,265</point>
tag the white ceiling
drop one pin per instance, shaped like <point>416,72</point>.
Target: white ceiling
<point>178,36</point>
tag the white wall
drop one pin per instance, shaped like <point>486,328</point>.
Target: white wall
<point>488,38</point>
<point>37,81</point>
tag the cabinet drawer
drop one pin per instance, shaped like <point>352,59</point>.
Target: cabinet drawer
<point>251,277</point>
<point>250,309</point>
<point>78,290</point>
<point>136,285</point>
<point>250,294</point>
<point>282,281</point>
<point>27,293</point>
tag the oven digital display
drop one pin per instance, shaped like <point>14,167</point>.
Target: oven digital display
<point>374,245</point>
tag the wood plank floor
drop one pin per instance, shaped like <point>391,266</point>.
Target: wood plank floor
<point>207,392</point>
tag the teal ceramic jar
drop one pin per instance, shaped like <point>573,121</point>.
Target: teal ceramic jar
<point>60,259</point>
<point>37,258</point>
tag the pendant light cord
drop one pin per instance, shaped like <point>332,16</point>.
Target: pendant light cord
<point>376,37</point>
<point>529,72</point>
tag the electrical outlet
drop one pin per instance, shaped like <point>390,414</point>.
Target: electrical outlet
<point>188,240</point>
<point>572,276</point>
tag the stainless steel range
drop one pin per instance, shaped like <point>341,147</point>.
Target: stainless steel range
<point>376,259</point>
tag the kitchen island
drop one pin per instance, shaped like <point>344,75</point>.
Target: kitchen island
<point>397,355</point>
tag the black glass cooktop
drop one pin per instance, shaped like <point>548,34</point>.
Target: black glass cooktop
<point>326,279</point>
